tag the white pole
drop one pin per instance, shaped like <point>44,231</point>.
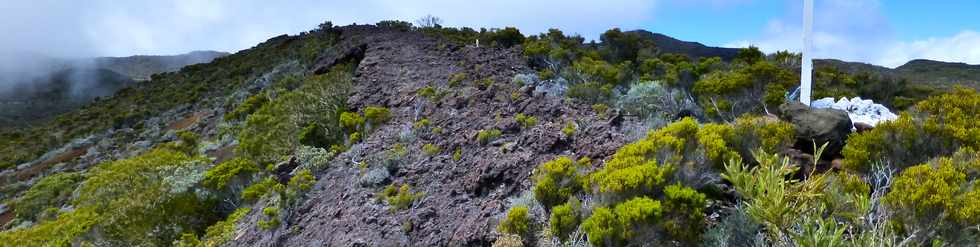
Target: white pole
<point>807,67</point>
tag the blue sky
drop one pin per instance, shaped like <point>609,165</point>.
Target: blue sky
<point>884,32</point>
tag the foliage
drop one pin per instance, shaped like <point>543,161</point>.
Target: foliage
<point>938,126</point>
<point>614,227</point>
<point>145,199</point>
<point>526,121</point>
<point>302,181</point>
<point>939,196</point>
<point>456,78</point>
<point>51,191</point>
<point>222,231</point>
<point>258,190</point>
<point>431,149</point>
<point>376,115</point>
<point>564,220</point>
<point>399,197</point>
<point>684,209</point>
<point>556,180</point>
<point>272,215</point>
<point>351,121</point>
<point>753,88</point>
<point>218,177</point>
<point>199,83</point>
<point>487,136</point>
<point>654,99</point>
<point>569,129</point>
<point>458,154</point>
<point>516,222</point>
<point>314,109</point>
<point>250,105</point>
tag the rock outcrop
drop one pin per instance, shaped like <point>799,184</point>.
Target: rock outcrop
<point>815,125</point>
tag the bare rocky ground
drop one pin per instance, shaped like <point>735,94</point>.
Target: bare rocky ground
<point>463,199</point>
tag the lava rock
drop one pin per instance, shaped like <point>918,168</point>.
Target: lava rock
<point>818,126</point>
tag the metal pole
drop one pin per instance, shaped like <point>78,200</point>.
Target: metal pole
<point>807,67</point>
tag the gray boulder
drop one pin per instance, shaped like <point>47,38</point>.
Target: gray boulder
<point>829,126</point>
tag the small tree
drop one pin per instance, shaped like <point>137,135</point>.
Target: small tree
<point>429,21</point>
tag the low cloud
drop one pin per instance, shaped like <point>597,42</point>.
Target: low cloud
<point>856,30</point>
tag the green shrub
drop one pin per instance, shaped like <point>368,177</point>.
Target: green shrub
<point>354,138</point>
<point>399,197</point>
<point>274,130</point>
<point>590,92</point>
<point>250,105</point>
<point>556,180</point>
<point>613,227</point>
<point>377,115</point>
<point>564,220</point>
<point>351,121</point>
<point>526,121</point>
<point>51,191</point>
<point>569,129</point>
<point>302,181</point>
<point>218,176</point>
<point>272,221</point>
<point>431,149</point>
<point>422,123</point>
<point>458,154</point>
<point>603,228</point>
<point>516,222</point>
<point>487,136</point>
<point>457,78</point>
<point>938,126</point>
<point>145,199</point>
<point>222,231</point>
<point>684,212</point>
<point>256,191</point>
<point>937,193</point>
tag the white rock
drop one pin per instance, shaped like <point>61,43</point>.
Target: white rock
<point>860,110</point>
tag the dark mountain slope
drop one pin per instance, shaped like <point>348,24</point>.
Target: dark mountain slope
<point>141,67</point>
<point>667,44</point>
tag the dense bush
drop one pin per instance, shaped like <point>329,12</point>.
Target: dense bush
<point>516,222</point>
<point>275,129</point>
<point>376,115</point>
<point>487,136</point>
<point>938,126</point>
<point>399,197</point>
<point>525,120</point>
<point>615,227</point>
<point>147,199</point>
<point>52,191</point>
<point>556,180</point>
<point>220,175</point>
<point>564,219</point>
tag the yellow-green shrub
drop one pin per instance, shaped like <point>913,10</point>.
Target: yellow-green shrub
<point>486,136</point>
<point>684,212</point>
<point>614,227</point>
<point>218,176</point>
<point>51,191</point>
<point>556,180</point>
<point>937,126</point>
<point>376,115</point>
<point>516,222</point>
<point>564,220</point>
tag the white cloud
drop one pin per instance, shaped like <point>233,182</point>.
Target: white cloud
<point>119,28</point>
<point>962,47</point>
<point>856,30</point>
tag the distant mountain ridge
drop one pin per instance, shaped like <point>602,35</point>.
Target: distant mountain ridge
<point>43,86</point>
<point>694,50</point>
<point>141,67</point>
<point>919,71</point>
